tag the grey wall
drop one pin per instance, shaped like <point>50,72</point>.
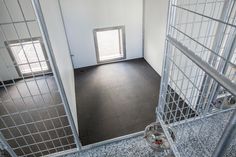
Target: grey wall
<point>155,28</point>
<point>82,16</point>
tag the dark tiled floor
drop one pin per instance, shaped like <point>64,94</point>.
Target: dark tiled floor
<point>115,99</point>
<point>32,117</point>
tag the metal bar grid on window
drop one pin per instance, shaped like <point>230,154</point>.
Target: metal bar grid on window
<point>33,119</point>
<point>198,96</point>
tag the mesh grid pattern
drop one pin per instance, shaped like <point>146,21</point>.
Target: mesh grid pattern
<point>32,115</point>
<point>4,153</point>
<point>194,27</point>
<point>191,100</point>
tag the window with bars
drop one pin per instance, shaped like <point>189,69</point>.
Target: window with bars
<point>29,56</point>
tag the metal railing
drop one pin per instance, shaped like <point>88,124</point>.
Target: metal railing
<point>199,68</point>
<point>34,112</point>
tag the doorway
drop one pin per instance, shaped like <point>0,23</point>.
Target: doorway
<point>110,43</point>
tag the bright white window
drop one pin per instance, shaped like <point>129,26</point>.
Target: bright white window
<point>109,43</point>
<point>29,56</point>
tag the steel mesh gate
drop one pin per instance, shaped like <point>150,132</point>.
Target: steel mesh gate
<point>197,100</point>
<point>35,119</point>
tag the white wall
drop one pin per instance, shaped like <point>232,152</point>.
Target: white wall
<point>82,16</point>
<point>154,32</point>
<point>61,51</point>
<point>7,69</point>
<point>154,45</point>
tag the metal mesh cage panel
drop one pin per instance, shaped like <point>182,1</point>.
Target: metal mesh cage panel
<point>197,98</point>
<point>4,153</point>
<point>33,118</point>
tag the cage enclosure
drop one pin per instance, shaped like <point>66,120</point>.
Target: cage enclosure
<point>198,89</point>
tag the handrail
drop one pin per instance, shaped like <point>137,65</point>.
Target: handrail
<point>221,79</point>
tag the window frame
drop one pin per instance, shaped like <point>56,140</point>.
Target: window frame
<point>122,29</point>
<point>12,56</point>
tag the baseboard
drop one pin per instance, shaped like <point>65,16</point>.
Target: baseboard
<point>98,64</point>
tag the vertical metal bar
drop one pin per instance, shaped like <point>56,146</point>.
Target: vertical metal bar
<point>64,26</point>
<point>226,10</point>
<point>196,79</point>
<point>164,79</point>
<point>6,146</point>
<point>45,35</point>
<point>221,29</point>
<point>227,53</point>
<point>224,66</point>
<point>120,41</point>
<point>143,27</point>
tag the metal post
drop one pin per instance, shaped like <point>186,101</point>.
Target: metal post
<point>165,66</point>
<point>213,87</point>
<point>224,66</point>
<point>45,36</point>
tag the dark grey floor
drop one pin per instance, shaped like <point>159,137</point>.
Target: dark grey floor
<point>115,99</point>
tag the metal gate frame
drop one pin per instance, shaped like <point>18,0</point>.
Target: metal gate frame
<point>220,79</point>
<point>46,39</point>
<point>51,57</point>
